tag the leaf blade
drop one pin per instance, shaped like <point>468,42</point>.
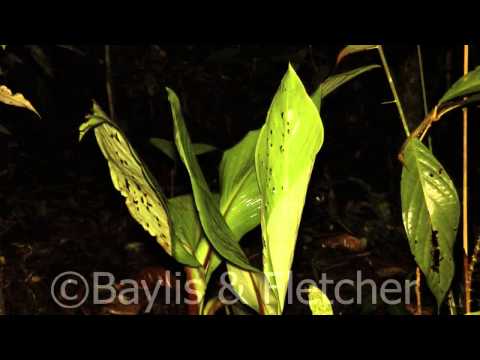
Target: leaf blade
<point>331,83</point>
<point>431,213</point>
<point>318,302</point>
<point>217,231</point>
<point>18,100</point>
<point>285,153</point>
<point>465,86</point>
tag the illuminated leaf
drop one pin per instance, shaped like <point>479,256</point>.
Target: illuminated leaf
<point>319,302</point>
<point>431,213</point>
<point>285,154</point>
<point>18,99</point>
<point>467,85</point>
<point>131,177</point>
<point>214,225</point>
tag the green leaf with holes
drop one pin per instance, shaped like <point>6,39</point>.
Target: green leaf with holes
<point>285,154</point>
<point>465,86</point>
<point>3,46</point>
<point>319,302</point>
<point>213,223</point>
<point>431,214</point>
<point>187,229</point>
<point>168,148</point>
<point>333,82</point>
<point>131,177</point>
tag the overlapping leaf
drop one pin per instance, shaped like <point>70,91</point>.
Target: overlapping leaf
<point>431,213</point>
<point>188,230</point>
<point>213,223</point>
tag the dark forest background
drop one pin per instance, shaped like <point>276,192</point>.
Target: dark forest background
<point>59,210</point>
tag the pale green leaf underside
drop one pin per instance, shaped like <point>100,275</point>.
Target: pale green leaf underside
<point>333,82</point>
<point>319,302</point>
<point>467,85</point>
<point>3,46</point>
<point>131,177</point>
<point>431,213</point>
<point>214,225</point>
<point>285,154</point>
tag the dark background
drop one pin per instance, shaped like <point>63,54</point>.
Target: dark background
<point>59,210</point>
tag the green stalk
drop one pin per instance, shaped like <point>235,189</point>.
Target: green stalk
<point>394,90</point>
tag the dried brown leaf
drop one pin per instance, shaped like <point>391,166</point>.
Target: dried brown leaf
<point>17,99</point>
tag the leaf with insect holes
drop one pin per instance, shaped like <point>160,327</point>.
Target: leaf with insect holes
<point>333,82</point>
<point>131,177</point>
<point>319,302</point>
<point>352,49</point>
<point>168,147</point>
<point>285,154</point>
<point>465,86</point>
<point>18,99</point>
<point>431,214</point>
<point>213,223</point>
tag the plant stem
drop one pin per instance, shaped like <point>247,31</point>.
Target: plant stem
<point>465,192</point>
<point>108,70</point>
<point>418,291</point>
<point>422,80</point>
<point>394,90</point>
<point>425,113</point>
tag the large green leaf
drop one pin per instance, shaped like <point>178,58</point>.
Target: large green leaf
<point>187,229</point>
<point>214,225</point>
<point>131,177</point>
<point>333,82</point>
<point>239,194</point>
<point>3,46</point>
<point>168,147</point>
<point>319,302</point>
<point>285,154</point>
<point>431,213</point>
<point>352,49</point>
<point>467,85</point>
